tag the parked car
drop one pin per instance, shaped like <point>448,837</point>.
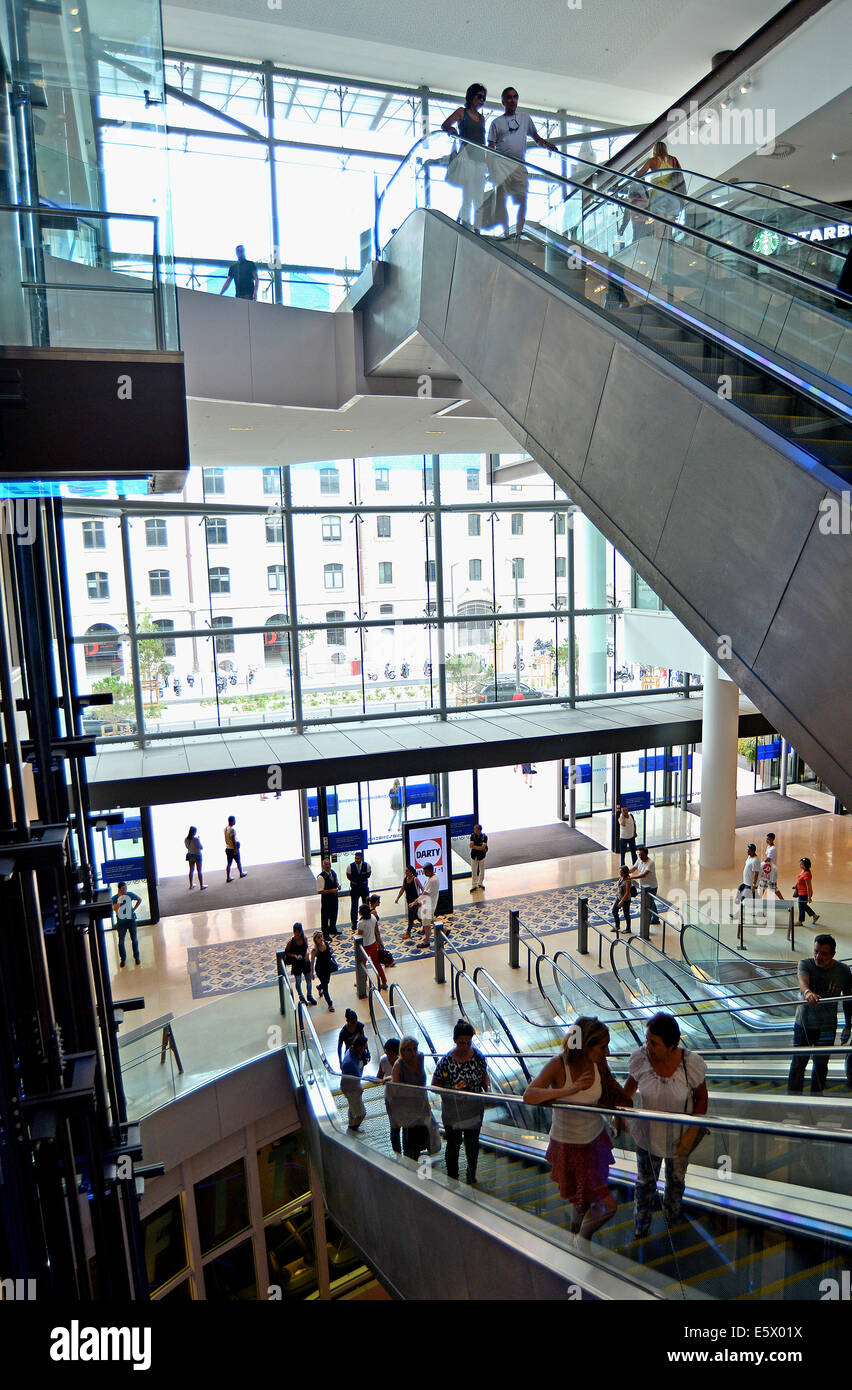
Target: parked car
<point>107,725</point>
<point>506,688</point>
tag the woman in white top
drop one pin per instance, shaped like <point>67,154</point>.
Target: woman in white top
<point>428,902</point>
<point>662,172</point>
<point>580,1151</point>
<point>666,1077</point>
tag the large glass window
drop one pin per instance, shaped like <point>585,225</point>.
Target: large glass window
<point>333,576</point>
<point>474,524</point>
<point>165,1243</point>
<point>274,530</point>
<point>217,530</point>
<point>271,482</point>
<point>165,625</point>
<point>382,479</point>
<point>224,645</point>
<point>155,532</point>
<point>335,636</point>
<point>221,1206</point>
<point>220,580</point>
<point>329,481</point>
<point>383,528</point>
<point>276,579</point>
<point>385,572</point>
<point>331,528</point>
<point>94,536</point>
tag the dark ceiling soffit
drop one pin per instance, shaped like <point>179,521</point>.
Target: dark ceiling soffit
<point>168,788</point>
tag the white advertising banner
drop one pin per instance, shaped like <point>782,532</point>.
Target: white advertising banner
<point>428,842</point>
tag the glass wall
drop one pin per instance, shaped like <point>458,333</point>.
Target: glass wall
<point>375,587</point>
<point>249,142</point>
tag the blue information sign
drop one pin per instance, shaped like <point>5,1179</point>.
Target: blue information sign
<point>420,793</point>
<point>331,805</point>
<point>345,841</point>
<point>635,801</point>
<point>767,751</point>
<point>461,826</point>
<point>662,763</point>
<point>123,870</point>
<point>582,773</point>
<point>130,829</point>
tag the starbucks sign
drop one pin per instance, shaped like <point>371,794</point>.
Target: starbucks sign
<point>766,243</point>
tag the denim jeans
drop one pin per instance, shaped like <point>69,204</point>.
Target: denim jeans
<point>625,845</point>
<point>625,910</point>
<point>123,929</point>
<point>645,1199</point>
<point>810,1037</point>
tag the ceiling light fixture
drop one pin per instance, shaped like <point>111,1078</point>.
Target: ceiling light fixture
<point>337,431</point>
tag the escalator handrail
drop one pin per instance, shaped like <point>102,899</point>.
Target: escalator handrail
<point>496,1012</point>
<point>396,992</point>
<point>480,970</point>
<point>810,1132</point>
<point>598,984</point>
<point>593,1006</point>
<point>745,1001</point>
<point>817,287</point>
<point>693,1006</point>
<point>817,204</point>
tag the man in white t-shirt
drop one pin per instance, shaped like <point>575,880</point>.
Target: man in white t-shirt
<point>751,878</point>
<point>508,135</point>
<point>769,867</point>
<point>645,874</point>
<point>428,902</point>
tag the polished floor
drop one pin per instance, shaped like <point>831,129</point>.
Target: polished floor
<point>236,1027</point>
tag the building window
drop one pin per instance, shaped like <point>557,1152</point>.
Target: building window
<point>474,634</point>
<point>97,584</point>
<point>383,528</point>
<point>159,583</point>
<point>338,658</point>
<point>223,644</point>
<point>94,536</point>
<point>331,528</point>
<point>333,576</point>
<point>155,531</point>
<point>275,530</point>
<point>102,651</point>
<point>276,579</point>
<point>220,580</point>
<point>431,572</point>
<point>214,482</point>
<point>560,523</point>
<point>329,481</point>
<point>474,524</point>
<point>472,479</point>
<point>382,479</point>
<point>385,572</point>
<point>217,530</point>
<point>518,568</point>
<point>561,567</point>
<point>335,636</point>
<point>474,570</point>
<point>165,625</point>
<point>271,482</point>
<point>385,610</point>
<point>517,523</point>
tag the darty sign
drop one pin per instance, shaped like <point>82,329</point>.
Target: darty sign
<point>428,842</point>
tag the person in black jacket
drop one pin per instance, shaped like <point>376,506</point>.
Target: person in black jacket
<point>358,873</point>
<point>351,1028</point>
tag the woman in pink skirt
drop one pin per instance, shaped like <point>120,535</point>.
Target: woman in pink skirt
<point>580,1152</point>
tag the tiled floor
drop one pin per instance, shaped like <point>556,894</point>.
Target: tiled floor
<point>163,978</point>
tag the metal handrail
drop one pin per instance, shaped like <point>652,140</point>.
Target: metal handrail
<point>787,272</point>
<point>490,1098</point>
<point>486,1003</point>
<point>396,992</point>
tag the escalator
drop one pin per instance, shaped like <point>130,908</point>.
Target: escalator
<point>688,393</point>
<point>766,1213</point>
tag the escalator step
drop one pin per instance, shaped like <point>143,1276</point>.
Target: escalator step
<point>788,1282</point>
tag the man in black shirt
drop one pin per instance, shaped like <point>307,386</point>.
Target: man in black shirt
<point>478,851</point>
<point>328,887</point>
<point>244,275</point>
<point>358,873</point>
<point>821,980</point>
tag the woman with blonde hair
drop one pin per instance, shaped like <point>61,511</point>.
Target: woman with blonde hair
<point>580,1152</point>
<point>665,180</point>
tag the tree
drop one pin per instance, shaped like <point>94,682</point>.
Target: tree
<point>465,673</point>
<point>153,666</point>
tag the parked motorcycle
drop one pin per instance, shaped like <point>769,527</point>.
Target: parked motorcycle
<point>404,670</point>
<point>390,672</point>
<point>177,686</point>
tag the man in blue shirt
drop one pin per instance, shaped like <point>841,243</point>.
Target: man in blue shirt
<point>354,1063</point>
<point>124,905</point>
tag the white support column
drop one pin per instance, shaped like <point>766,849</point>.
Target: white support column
<point>718,768</point>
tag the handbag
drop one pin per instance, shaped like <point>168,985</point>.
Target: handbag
<point>333,967</point>
<point>634,891</point>
<point>385,957</point>
<point>454,168</point>
<point>434,1136</point>
<point>700,1130</point>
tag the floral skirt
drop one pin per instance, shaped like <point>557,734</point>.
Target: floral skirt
<point>581,1171</point>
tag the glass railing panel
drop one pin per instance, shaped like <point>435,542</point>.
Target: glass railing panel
<point>716,286</point>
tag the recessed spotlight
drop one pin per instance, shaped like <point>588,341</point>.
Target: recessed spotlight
<point>336,431</point>
<point>745,87</point>
<point>241,429</point>
<point>436,431</point>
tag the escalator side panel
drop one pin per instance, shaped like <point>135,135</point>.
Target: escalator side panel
<point>727,531</point>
